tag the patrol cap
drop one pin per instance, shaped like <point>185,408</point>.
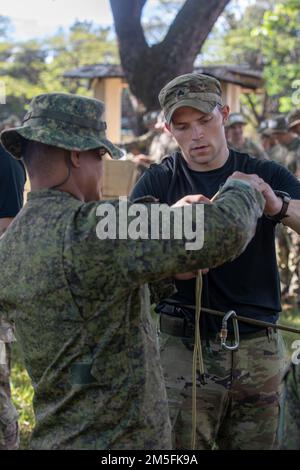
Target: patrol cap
<point>294,118</point>
<point>235,118</point>
<point>196,90</point>
<point>278,124</point>
<point>67,121</point>
<point>264,129</point>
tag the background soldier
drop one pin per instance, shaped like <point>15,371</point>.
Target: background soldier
<point>271,146</point>
<point>289,139</point>
<point>279,154</point>
<point>80,303</point>
<point>236,139</point>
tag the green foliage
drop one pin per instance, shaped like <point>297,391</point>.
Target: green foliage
<point>264,37</point>
<point>37,66</point>
<point>280,45</point>
<point>22,394</point>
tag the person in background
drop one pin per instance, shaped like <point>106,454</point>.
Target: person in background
<point>236,139</point>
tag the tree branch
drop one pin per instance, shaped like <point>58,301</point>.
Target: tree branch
<point>190,28</point>
<point>127,18</point>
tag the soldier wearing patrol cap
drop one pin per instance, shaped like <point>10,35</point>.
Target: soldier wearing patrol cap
<point>279,154</point>
<point>271,146</point>
<point>289,140</point>
<point>80,303</point>
<point>286,137</point>
<point>238,406</point>
<point>236,139</point>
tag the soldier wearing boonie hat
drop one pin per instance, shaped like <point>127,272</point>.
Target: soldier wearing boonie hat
<point>78,293</point>
<point>62,120</point>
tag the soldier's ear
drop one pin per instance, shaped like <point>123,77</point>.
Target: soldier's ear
<point>75,158</point>
<point>225,110</point>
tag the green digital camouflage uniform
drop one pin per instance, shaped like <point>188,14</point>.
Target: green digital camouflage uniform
<point>81,305</point>
<point>291,439</point>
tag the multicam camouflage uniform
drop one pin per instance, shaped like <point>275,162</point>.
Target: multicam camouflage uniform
<point>226,416</point>
<point>81,305</point>
<point>238,407</point>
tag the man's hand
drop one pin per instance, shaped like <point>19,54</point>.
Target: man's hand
<point>273,203</point>
<point>189,275</point>
<point>143,160</point>
<point>186,200</point>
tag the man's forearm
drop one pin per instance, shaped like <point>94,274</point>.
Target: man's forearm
<point>293,219</point>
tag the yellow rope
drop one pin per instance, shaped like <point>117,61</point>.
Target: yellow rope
<point>197,358</point>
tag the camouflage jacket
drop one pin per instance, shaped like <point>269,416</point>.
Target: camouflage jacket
<point>82,314</point>
<point>279,154</point>
<point>251,148</point>
<point>293,157</point>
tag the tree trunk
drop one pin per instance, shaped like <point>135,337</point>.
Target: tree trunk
<point>147,68</point>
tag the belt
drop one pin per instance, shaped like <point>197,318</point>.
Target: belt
<point>182,328</point>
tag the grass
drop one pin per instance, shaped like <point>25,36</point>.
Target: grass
<point>22,391</point>
<point>22,394</point>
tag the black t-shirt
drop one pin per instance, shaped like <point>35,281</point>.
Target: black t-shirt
<point>249,284</point>
<point>12,182</point>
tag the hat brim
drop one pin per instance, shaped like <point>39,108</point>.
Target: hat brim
<point>266,132</point>
<point>294,123</point>
<point>238,121</point>
<point>201,105</point>
<point>69,139</point>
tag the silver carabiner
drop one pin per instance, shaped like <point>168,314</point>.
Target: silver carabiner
<point>224,331</point>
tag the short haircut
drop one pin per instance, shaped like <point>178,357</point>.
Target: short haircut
<point>41,158</point>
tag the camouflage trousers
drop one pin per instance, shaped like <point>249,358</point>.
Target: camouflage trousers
<point>9,432</point>
<point>239,406</point>
<point>291,438</point>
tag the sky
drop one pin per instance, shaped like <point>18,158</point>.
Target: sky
<point>39,18</point>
